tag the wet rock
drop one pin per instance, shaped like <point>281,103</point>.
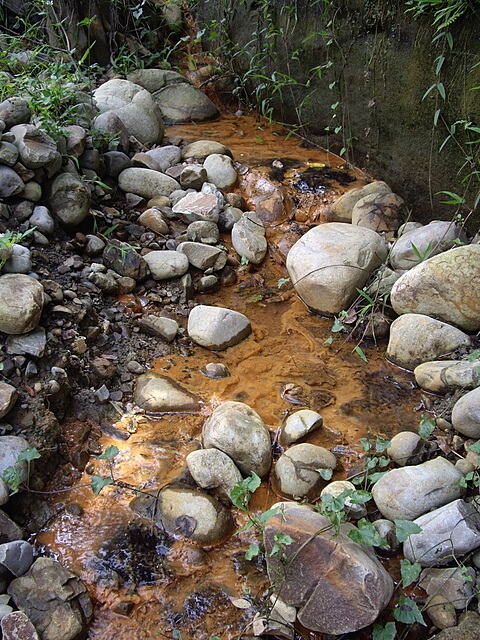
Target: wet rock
<point>409,492</point>
<point>298,471</point>
<point>205,232</point>
<point>441,612</point>
<point>22,298</point>
<point>8,154</point>
<point>165,328</point>
<point>331,261</point>
<point>416,338</point>
<point>404,446</point>
<point>134,106</point>
<point>338,585</point>
<point>447,533</point>
<point>20,260</point>
<point>443,376</point>
<point>466,414</point>
<point>446,287</point>
<point>228,217</point>
<point>213,469</point>
<point>32,343</point>
<point>122,258</point>
<point>42,220</point>
<point>14,111</point>
<point>16,557</point>
<point>146,182</point>
<point>115,163</point>
<point>10,182</point>
<point>197,206</point>
<point>454,584</point>
<point>182,102</point>
<point>341,209</point>
<point>467,629</point>
<point>217,328</point>
<point>380,212</point>
<point>193,176</point>
<point>9,530</point>
<point>239,432</point>
<point>69,199</point>
<point>203,256</point>
<point>248,238</point>
<point>17,626</point>
<point>427,241</point>
<point>220,170</point>
<point>298,425</point>
<point>10,448</point>
<point>153,220</point>
<point>200,149</point>
<point>166,156</point>
<point>215,370</point>
<point>166,264</point>
<point>155,392</point>
<point>8,397</point>
<point>35,147</point>
<point>54,599</point>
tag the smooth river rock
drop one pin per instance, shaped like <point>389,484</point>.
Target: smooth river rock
<point>445,287</point>
<point>404,446</point>
<point>8,397</point>
<point>407,493</point>
<point>238,431</point>
<point>213,469</point>
<point>298,425</point>
<point>338,585</point>
<point>298,470</point>
<point>248,238</point>
<point>443,376</point>
<point>331,261</point>
<point>217,328</point>
<point>203,256</point>
<point>416,338</point>
<point>466,414</point>
<point>341,210</point>
<point>380,212</point>
<point>157,393</point>
<point>166,264</point>
<point>220,170</point>
<point>69,199</point>
<point>147,183</point>
<point>22,303</point>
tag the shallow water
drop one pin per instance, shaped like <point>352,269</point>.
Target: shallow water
<point>146,585</point>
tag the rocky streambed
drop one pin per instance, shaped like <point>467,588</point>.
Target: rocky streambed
<point>125,373</point>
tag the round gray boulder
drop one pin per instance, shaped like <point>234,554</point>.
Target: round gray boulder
<point>22,303</point>
<point>217,328</point>
<point>213,469</point>
<point>298,471</point>
<point>466,414</point>
<point>69,199</point>
<point>147,183</point>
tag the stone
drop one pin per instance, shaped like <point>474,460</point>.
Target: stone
<point>42,220</point>
<point>239,432</point>
<point>187,512</point>
<point>441,612</point>
<point>341,209</point>
<point>4,492</point>
<point>22,306</point>
<point>16,557</point>
<point>8,154</point>
<point>14,111</point>
<point>10,449</point>
<point>220,170</point>
<point>466,414</point>
<point>157,393</point>
<point>455,584</point>
<point>213,469</point>
<point>467,629</point>
<point>404,446</point>
<point>122,258</point>
<point>415,339</point>
<point>165,328</point>
<point>298,471</point>
<point>248,238</point>
<point>339,487</point>
<point>182,102</point>
<point>338,585</point>
<point>54,599</point>
<point>166,156</point>
<point>228,217</point>
<point>94,246</point>
<point>35,147</point>
<point>215,370</point>
<point>409,492</point>
<point>444,376</point>
<point>8,397</point>
<point>203,256</point>
<point>448,533</point>
<point>331,261</point>
<point>202,231</point>
<point>17,626</point>
<point>445,287</point>
<point>20,260</point>
<point>134,106</point>
<point>197,206</point>
<point>193,176</point>
<point>428,241</point>
<point>278,621</point>
<point>69,199</point>
<point>75,139</point>
<point>200,149</point>
<point>387,530</point>
<point>298,425</point>
<point>155,79</point>
<point>146,182</point>
<point>10,182</point>
<point>166,264</point>
<point>115,163</point>
<point>9,530</point>
<point>32,343</point>
<point>381,212</point>
<point>217,328</point>
<point>32,191</point>
<point>153,219</point>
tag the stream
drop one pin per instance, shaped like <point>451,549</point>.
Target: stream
<point>145,586</point>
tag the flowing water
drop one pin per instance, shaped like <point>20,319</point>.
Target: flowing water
<point>145,584</point>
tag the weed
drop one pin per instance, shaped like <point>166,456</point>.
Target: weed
<point>8,240</point>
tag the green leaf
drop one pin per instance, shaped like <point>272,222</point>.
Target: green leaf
<point>282,281</point>
<point>27,455</point>
<point>474,355</point>
<point>329,340</point>
<point>474,448</point>
<point>337,326</point>
<point>387,632</point>
<point>382,444</point>
<point>375,477</point>
<point>366,444</point>
<point>109,453</point>
<point>176,634</point>
<point>99,482</point>
<point>326,474</point>
<point>405,528</point>
<point>242,491</point>
<point>263,517</point>
<point>426,428</point>
<point>407,612</point>
<point>367,535</point>
<point>252,552</point>
<point>410,572</point>
<point>281,540</point>
<point>359,351</point>
<point>12,478</point>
